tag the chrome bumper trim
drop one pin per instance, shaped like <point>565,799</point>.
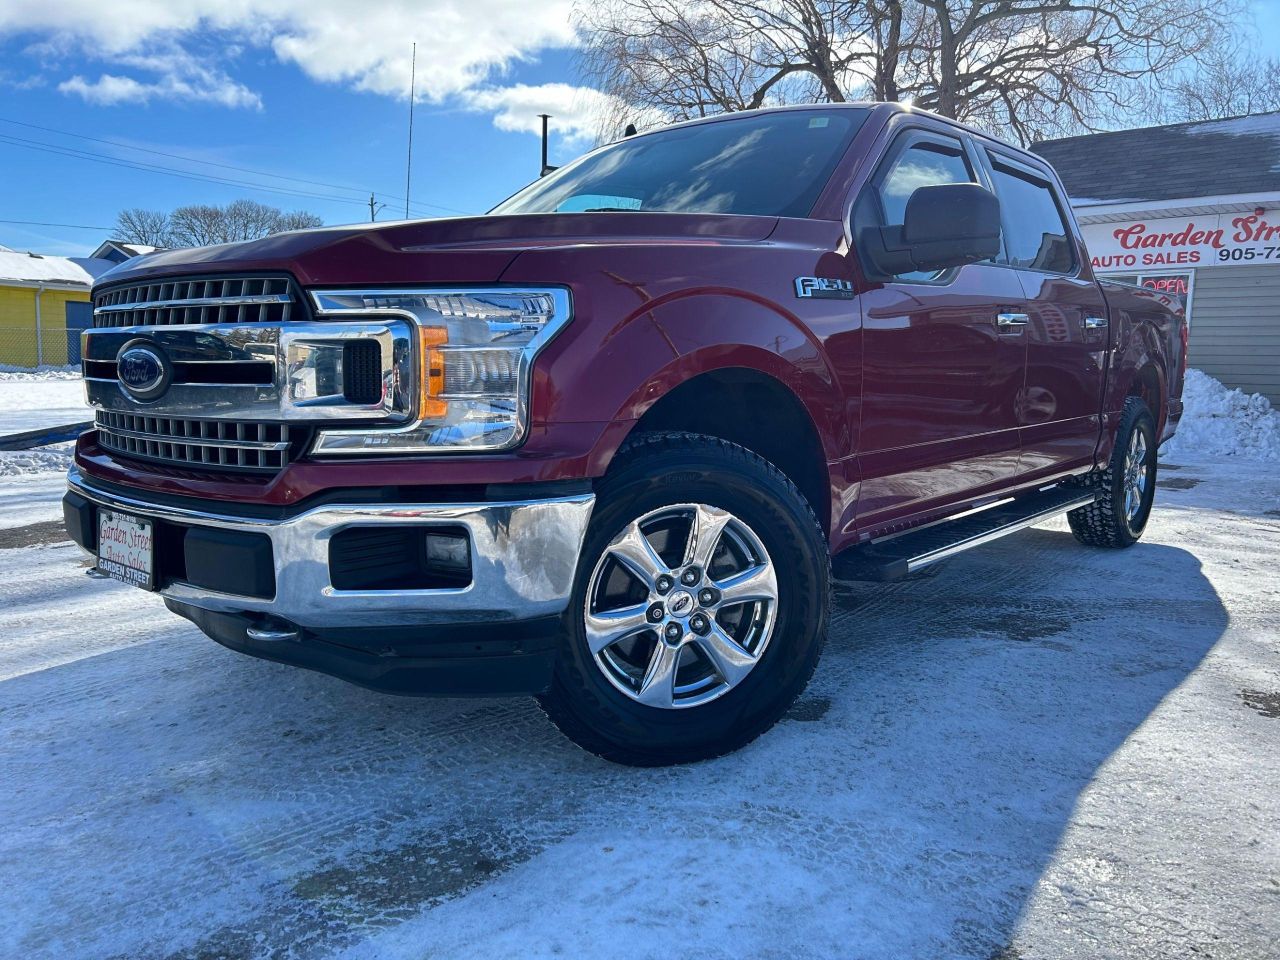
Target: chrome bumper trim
<point>524,554</point>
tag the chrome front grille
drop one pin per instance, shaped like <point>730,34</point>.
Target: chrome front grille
<point>217,300</point>
<point>216,444</point>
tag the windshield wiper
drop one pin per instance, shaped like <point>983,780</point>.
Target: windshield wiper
<point>611,210</point>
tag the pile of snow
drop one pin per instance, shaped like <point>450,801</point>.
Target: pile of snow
<point>1218,422</point>
<point>31,400</point>
<point>39,374</point>
<point>25,463</point>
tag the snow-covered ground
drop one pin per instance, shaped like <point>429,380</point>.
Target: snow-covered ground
<point>29,401</point>
<point>1035,750</point>
<point>49,398</point>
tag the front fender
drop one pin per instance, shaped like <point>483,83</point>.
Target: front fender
<point>647,318</point>
<point>765,339</point>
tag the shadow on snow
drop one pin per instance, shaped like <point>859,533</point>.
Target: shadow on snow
<point>198,803</point>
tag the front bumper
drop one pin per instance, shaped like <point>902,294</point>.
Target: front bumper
<point>523,557</point>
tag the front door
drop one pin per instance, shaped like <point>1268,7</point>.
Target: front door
<point>1067,335</point>
<point>941,372</point>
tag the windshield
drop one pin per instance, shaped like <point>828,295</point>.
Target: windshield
<point>772,164</point>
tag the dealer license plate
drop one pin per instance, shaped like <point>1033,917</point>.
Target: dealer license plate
<point>126,548</point>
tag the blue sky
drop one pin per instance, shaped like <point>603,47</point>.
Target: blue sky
<point>210,94</point>
<point>315,131</point>
<point>303,88</point>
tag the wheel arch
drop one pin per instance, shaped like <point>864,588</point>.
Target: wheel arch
<point>756,410</point>
<point>1148,385</point>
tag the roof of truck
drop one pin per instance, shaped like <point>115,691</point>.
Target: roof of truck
<point>1205,158</point>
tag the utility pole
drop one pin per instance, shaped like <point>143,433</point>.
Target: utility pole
<point>408,167</point>
<point>546,167</point>
<point>374,208</point>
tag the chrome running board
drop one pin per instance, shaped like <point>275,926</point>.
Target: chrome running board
<point>895,557</point>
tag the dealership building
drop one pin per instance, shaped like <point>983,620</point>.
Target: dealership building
<point>1191,210</point>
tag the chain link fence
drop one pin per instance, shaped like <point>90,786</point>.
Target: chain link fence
<point>21,348</point>
<point>44,332</point>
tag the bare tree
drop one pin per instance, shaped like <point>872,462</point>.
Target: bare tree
<point>198,225</point>
<point>297,220</point>
<point>1227,84</point>
<point>248,220</point>
<point>147,227</point>
<point>1030,67</point>
<point>691,59</point>
<point>1045,67</point>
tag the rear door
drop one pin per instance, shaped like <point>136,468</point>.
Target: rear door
<point>1060,406</point>
<point>941,375</point>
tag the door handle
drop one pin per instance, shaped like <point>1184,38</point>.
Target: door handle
<point>1007,320</point>
<point>1094,323</point>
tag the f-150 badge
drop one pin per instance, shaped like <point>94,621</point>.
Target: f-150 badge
<point>823,288</point>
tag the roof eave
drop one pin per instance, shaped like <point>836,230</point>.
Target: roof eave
<point>69,286</point>
<point>1107,211</point>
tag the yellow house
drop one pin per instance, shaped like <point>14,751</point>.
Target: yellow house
<point>40,297</point>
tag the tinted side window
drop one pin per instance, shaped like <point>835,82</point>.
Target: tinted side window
<point>1035,233</point>
<point>925,163</point>
<point>920,165</point>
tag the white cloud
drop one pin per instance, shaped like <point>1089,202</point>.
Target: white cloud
<point>178,77</point>
<point>580,115</point>
<point>107,89</point>
<point>21,81</point>
<point>577,112</point>
<point>365,44</point>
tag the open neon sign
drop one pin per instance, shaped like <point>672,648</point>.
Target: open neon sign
<point>1178,284</point>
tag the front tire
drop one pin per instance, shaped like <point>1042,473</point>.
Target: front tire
<point>699,608</point>
<point>1126,488</point>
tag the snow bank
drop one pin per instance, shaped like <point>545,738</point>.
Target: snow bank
<point>39,374</point>
<point>1219,422</point>
<point>24,463</point>
<point>36,399</point>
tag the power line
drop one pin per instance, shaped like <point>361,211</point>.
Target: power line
<point>69,226</point>
<point>190,175</point>
<point>179,156</point>
<point>167,171</point>
<point>155,168</point>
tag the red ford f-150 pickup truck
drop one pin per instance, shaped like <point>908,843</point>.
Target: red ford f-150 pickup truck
<point>607,444</point>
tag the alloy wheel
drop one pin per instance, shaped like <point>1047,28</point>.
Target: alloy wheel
<point>681,606</point>
<point>1137,475</point>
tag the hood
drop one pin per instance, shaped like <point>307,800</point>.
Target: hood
<point>455,250</point>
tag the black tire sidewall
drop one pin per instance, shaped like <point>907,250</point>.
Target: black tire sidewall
<point>702,471</point>
<point>1140,420</point>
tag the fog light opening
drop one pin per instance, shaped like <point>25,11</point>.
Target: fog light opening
<point>448,554</point>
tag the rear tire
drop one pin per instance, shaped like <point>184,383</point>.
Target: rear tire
<point>717,514</point>
<point>1126,488</point>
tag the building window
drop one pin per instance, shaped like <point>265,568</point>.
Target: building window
<point>1177,286</point>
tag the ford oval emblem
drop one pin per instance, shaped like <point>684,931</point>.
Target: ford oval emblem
<point>143,370</point>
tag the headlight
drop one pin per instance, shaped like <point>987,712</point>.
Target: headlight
<point>475,348</point>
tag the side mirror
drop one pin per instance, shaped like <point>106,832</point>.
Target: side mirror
<point>947,225</point>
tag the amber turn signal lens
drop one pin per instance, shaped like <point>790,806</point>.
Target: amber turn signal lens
<point>431,406</point>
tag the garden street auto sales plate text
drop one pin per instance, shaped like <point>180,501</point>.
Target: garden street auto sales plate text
<point>126,548</point>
